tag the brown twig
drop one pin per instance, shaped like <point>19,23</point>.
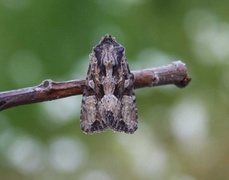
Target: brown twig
<point>174,73</point>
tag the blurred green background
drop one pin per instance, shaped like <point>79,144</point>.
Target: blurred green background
<point>183,133</point>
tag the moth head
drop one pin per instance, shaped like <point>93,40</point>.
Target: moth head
<point>108,52</point>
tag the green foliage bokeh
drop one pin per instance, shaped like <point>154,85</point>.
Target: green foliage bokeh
<point>182,132</point>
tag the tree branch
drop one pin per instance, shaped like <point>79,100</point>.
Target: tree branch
<point>174,73</point>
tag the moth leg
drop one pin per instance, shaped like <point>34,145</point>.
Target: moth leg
<point>89,116</point>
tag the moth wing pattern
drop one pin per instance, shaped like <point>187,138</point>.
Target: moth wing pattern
<point>90,119</point>
<point>108,97</point>
<point>128,120</point>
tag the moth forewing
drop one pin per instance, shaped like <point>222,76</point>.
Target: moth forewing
<point>108,98</point>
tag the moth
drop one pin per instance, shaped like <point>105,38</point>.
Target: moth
<point>108,97</point>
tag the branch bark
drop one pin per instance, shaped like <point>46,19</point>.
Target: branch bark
<point>174,73</point>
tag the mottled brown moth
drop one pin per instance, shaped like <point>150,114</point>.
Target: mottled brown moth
<point>108,97</point>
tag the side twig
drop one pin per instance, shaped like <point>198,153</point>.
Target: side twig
<point>174,73</point>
